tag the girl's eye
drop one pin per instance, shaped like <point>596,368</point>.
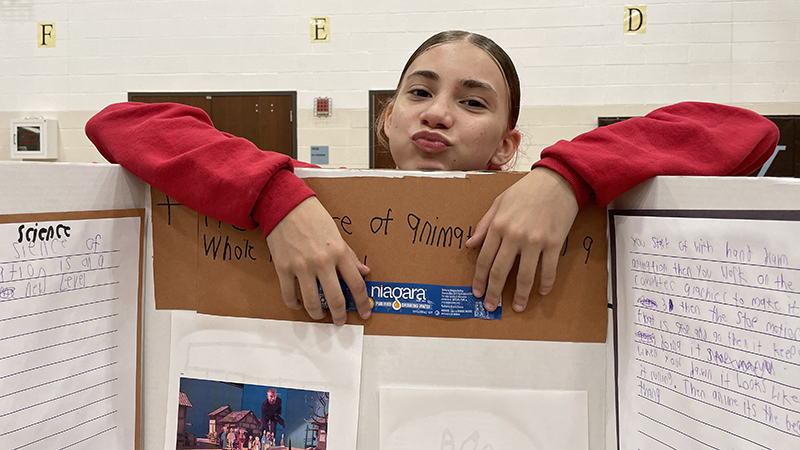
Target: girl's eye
<point>420,93</point>
<point>474,104</point>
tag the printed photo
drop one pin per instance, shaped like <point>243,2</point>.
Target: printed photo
<point>234,416</point>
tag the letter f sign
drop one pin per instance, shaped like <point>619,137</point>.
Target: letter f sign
<point>47,35</point>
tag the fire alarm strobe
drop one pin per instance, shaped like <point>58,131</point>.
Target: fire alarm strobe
<point>322,106</point>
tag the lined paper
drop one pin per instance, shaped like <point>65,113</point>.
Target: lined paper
<point>68,333</point>
<point>708,331</point>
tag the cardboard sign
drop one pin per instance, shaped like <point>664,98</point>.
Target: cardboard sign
<point>408,230</point>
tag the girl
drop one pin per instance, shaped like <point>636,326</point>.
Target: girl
<point>455,108</point>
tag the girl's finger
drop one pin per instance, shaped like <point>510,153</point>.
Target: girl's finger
<point>525,277</point>
<point>548,270</point>
<point>310,293</point>
<point>358,289</point>
<point>289,291</point>
<point>362,267</point>
<point>329,282</point>
<point>484,264</point>
<point>482,228</point>
<point>501,267</point>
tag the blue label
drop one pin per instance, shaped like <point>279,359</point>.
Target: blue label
<point>420,300</point>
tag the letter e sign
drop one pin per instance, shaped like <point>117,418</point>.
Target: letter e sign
<point>635,20</point>
<point>47,35</point>
<point>320,29</point>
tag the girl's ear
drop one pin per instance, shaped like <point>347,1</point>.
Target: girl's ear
<point>507,149</point>
<point>387,117</point>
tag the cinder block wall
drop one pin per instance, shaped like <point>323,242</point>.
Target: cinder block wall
<point>574,60</point>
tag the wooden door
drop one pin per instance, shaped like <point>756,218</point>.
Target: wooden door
<point>380,157</point>
<point>267,119</point>
<point>786,161</point>
<point>276,120</point>
<point>198,101</point>
<point>263,120</point>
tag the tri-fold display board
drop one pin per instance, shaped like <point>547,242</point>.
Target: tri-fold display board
<point>702,352</point>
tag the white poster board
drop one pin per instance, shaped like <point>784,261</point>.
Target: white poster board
<point>67,315</point>
<point>295,355</point>
<point>452,419</point>
<point>69,309</point>
<point>708,319</point>
<point>706,315</point>
<point>387,361</point>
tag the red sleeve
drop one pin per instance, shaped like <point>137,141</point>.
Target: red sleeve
<point>701,139</point>
<point>177,149</point>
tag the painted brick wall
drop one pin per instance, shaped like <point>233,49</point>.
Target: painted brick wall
<point>571,54</point>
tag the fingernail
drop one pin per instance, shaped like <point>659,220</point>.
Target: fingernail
<point>518,308</point>
<point>489,307</point>
<point>477,293</point>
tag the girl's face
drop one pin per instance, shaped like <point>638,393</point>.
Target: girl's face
<point>451,112</point>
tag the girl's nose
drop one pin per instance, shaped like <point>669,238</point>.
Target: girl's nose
<point>438,114</point>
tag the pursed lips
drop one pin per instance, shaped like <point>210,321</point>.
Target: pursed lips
<point>430,142</point>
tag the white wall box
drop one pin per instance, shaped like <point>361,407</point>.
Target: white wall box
<point>34,138</point>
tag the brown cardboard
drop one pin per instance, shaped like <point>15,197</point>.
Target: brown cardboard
<point>240,280</point>
<point>174,253</point>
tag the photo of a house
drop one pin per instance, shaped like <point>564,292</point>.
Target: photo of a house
<point>217,414</point>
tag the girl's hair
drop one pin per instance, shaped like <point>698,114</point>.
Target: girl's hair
<point>482,42</point>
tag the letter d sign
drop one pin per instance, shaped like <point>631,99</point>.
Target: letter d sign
<point>635,20</point>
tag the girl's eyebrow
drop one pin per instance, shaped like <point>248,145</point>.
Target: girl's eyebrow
<point>475,84</point>
<point>429,74</point>
<point>467,82</point>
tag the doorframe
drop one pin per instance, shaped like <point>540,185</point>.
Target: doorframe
<point>293,94</point>
<point>372,117</point>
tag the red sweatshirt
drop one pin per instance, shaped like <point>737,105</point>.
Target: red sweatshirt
<point>177,149</point>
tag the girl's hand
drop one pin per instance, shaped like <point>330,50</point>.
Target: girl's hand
<point>306,246</point>
<point>530,219</point>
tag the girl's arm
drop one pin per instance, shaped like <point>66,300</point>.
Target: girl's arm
<point>690,138</point>
<point>177,149</point>
<point>533,217</point>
